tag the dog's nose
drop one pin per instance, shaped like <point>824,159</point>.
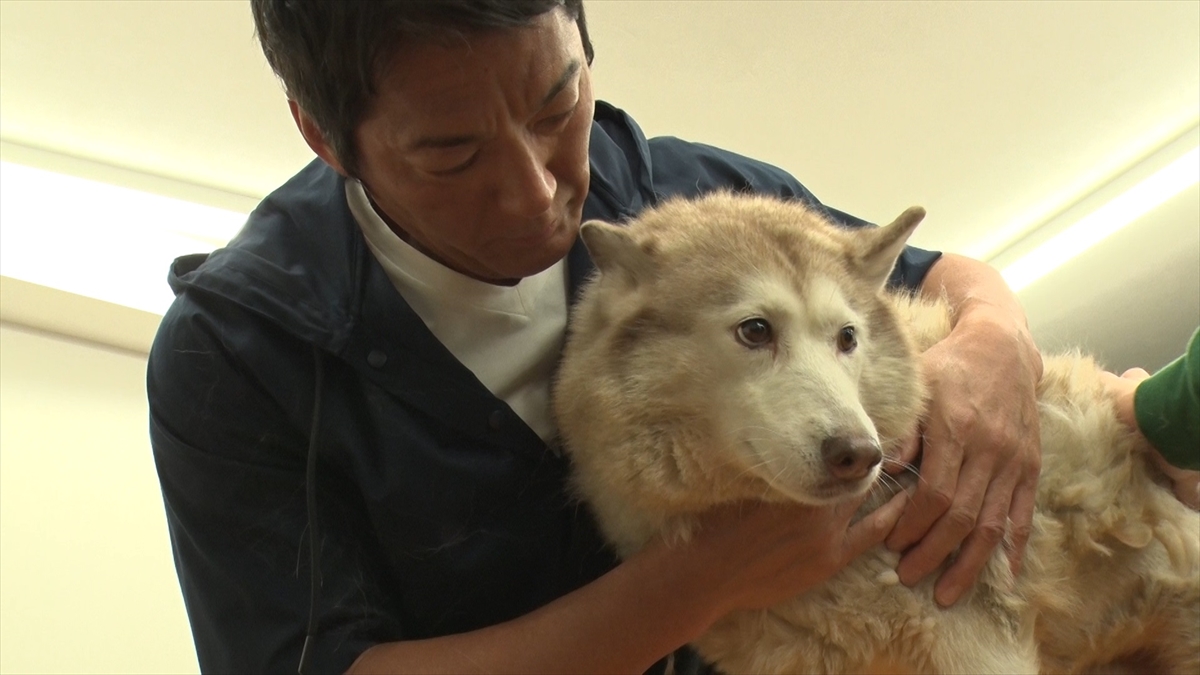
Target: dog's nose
<point>850,458</point>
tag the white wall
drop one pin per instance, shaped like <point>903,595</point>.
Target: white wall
<point>87,584</point>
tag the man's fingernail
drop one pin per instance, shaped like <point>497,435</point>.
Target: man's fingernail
<point>905,574</point>
<point>895,544</point>
<point>946,596</point>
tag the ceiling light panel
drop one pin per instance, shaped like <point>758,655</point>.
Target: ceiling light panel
<point>99,240</point>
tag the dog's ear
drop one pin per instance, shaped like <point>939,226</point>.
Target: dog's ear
<point>883,245</point>
<point>614,251</point>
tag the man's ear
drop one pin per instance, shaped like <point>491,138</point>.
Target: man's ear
<point>314,137</point>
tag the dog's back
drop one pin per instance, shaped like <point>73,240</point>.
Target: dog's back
<point>743,348</point>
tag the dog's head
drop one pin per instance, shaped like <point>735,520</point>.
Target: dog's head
<point>743,347</point>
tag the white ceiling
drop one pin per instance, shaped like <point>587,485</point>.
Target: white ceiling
<point>995,116</point>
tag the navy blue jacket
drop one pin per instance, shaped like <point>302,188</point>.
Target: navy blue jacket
<point>440,511</point>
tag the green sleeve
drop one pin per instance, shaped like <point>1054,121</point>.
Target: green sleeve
<point>1167,406</point>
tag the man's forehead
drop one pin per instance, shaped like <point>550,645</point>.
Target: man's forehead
<point>436,84</point>
<point>454,58</point>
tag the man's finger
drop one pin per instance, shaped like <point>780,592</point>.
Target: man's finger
<point>843,512</point>
<point>874,528</point>
<point>979,545</point>
<point>948,533</point>
<point>940,465</point>
<point>1020,516</point>
<point>908,453</point>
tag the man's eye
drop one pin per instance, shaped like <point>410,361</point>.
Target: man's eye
<point>458,168</point>
<point>557,121</point>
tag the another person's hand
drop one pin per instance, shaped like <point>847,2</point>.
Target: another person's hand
<point>980,454</point>
<point>1186,483</point>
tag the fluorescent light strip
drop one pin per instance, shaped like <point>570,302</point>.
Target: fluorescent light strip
<point>115,244</point>
<point>1105,220</point>
<point>99,240</point>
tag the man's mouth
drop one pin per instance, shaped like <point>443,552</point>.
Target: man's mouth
<point>539,233</point>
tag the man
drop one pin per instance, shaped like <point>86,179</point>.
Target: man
<point>394,313</point>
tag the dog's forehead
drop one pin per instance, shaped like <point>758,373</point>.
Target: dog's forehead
<point>742,217</point>
<point>817,300</point>
<point>803,260</point>
<point>707,248</point>
<point>733,242</point>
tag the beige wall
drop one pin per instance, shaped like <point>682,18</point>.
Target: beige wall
<point>87,584</point>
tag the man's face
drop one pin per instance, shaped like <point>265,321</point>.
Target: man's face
<point>477,151</point>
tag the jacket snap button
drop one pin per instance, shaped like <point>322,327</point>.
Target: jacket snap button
<point>376,358</point>
<point>496,419</point>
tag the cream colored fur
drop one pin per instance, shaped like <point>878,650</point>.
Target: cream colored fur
<point>666,412</point>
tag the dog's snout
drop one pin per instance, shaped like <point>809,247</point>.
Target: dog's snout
<point>850,458</point>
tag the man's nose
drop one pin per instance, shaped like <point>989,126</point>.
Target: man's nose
<point>528,185</point>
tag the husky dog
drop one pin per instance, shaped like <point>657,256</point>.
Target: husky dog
<point>743,348</point>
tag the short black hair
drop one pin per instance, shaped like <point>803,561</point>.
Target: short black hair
<point>329,54</point>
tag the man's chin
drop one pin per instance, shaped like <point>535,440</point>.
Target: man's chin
<point>531,255</point>
<point>536,267</point>
<point>550,250</point>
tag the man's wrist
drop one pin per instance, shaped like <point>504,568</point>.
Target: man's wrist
<point>999,319</point>
<point>694,579</point>
<point>1005,313</point>
<point>974,291</point>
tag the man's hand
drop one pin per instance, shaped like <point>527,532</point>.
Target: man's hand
<point>980,446</point>
<point>1186,483</point>
<point>743,556</point>
<point>758,555</point>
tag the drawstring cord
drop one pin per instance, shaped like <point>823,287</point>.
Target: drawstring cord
<point>310,491</point>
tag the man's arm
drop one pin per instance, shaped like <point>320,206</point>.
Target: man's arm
<point>980,443</point>
<point>744,556</point>
<point>231,463</point>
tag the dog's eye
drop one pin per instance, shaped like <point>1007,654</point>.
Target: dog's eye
<point>847,340</point>
<point>754,332</point>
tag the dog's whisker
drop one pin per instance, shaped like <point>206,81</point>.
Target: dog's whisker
<point>891,484</point>
<point>771,433</point>
<point>764,462</point>
<point>907,466</point>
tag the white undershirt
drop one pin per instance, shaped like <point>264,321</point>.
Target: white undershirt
<point>510,337</point>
